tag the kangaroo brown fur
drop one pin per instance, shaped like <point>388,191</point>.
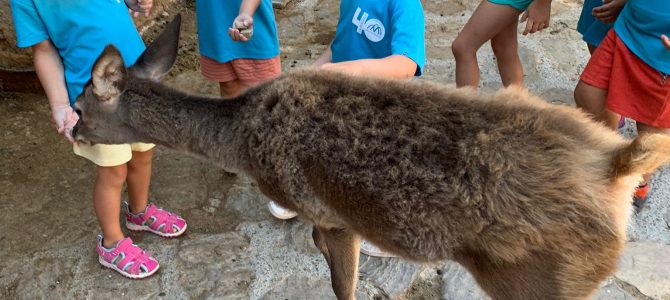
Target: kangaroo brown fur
<point>532,198</point>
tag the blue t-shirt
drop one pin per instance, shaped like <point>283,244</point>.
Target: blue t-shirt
<point>640,26</point>
<point>79,30</point>
<point>380,28</point>
<point>214,19</point>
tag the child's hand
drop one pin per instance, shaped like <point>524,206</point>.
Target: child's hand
<point>666,41</point>
<point>242,28</point>
<point>537,16</point>
<point>64,118</point>
<point>609,11</point>
<point>139,6</point>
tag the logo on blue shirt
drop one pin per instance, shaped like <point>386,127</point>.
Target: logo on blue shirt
<point>373,28</point>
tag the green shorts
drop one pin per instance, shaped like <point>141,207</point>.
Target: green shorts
<point>521,5</point>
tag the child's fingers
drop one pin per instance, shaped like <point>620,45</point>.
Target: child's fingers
<point>603,14</point>
<point>535,27</point>
<point>529,27</point>
<point>524,17</point>
<point>235,35</point>
<point>666,41</point>
<point>67,133</point>
<point>232,33</point>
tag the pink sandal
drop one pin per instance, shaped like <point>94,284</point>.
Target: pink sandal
<point>156,220</point>
<point>127,258</point>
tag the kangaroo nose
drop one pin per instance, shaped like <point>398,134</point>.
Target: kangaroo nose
<point>75,129</point>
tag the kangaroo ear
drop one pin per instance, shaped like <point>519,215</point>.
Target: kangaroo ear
<point>161,54</point>
<point>109,74</point>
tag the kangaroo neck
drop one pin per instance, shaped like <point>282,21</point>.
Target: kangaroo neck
<point>204,127</point>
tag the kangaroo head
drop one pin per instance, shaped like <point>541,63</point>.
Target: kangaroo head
<point>100,118</point>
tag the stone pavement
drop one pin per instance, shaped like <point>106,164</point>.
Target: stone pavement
<point>233,248</point>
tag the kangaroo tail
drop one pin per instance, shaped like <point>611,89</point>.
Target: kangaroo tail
<point>643,155</point>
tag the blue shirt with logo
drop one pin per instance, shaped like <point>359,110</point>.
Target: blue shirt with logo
<point>214,19</point>
<point>79,30</point>
<point>380,28</point>
<point>640,26</point>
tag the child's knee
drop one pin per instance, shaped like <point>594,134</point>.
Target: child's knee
<point>115,175</point>
<point>142,157</point>
<point>461,48</point>
<point>586,98</point>
<point>231,89</point>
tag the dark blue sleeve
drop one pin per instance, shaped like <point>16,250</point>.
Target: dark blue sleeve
<point>408,32</point>
<point>29,27</point>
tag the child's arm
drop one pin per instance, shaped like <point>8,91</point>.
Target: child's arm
<point>537,16</point>
<point>49,68</point>
<point>666,41</point>
<point>393,66</point>
<point>609,11</point>
<point>245,18</point>
<point>324,58</point>
<point>140,6</point>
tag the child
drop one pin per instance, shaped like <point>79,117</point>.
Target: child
<point>628,73</point>
<point>496,20</point>
<point>66,39</point>
<point>383,38</point>
<point>594,23</point>
<point>237,66</point>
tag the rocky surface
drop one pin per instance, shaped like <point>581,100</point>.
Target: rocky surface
<point>233,248</point>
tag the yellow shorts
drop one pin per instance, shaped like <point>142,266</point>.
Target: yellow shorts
<point>110,155</point>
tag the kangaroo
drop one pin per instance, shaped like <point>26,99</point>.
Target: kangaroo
<point>532,198</point>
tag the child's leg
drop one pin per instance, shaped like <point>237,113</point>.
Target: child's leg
<point>506,49</point>
<point>486,22</point>
<point>593,100</point>
<point>138,179</point>
<point>230,89</point>
<point>144,216</point>
<point>107,202</point>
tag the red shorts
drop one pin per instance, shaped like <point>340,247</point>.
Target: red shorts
<point>634,89</point>
<point>248,71</point>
